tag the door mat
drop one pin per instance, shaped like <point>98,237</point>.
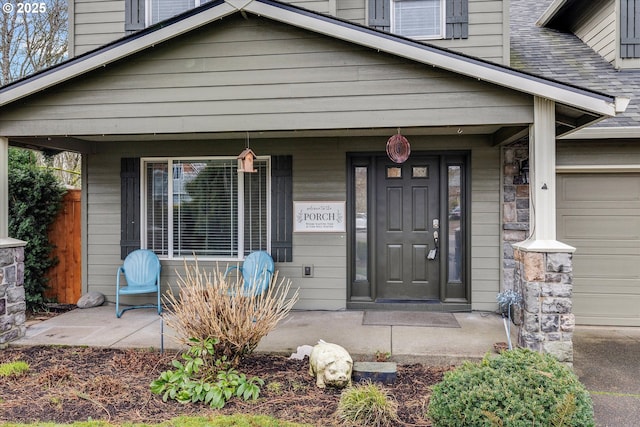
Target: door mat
<point>427,319</point>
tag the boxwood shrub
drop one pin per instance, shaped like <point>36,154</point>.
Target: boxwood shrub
<point>516,388</point>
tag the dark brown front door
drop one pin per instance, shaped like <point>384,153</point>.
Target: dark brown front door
<point>407,216</point>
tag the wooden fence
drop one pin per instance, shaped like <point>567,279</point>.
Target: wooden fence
<point>65,279</point>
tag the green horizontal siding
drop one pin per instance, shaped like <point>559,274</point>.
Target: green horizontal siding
<point>319,174</point>
<point>95,23</point>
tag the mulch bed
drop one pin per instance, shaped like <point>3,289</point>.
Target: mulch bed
<point>67,384</point>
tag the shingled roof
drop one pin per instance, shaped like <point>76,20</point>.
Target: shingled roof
<point>564,57</point>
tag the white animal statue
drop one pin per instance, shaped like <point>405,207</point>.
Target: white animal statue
<point>331,364</point>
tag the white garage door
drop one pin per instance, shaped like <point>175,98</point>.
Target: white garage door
<point>599,214</point>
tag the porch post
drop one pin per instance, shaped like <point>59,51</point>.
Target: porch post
<point>12,299</point>
<point>543,266</point>
<point>4,187</point>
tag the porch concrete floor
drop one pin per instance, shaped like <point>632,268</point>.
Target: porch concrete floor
<point>141,328</point>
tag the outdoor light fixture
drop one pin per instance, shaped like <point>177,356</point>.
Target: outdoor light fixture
<point>524,171</point>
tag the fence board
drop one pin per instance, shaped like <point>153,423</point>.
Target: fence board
<point>65,280</point>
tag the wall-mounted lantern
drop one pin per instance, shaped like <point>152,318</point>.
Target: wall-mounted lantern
<point>245,161</point>
<point>524,171</point>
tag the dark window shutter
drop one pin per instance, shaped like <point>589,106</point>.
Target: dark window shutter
<point>281,208</point>
<point>134,15</point>
<point>457,25</point>
<point>130,206</point>
<point>630,28</point>
<point>380,14</point>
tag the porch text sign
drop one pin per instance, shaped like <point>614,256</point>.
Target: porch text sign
<point>319,217</point>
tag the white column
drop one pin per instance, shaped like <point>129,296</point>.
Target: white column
<point>542,178</point>
<point>4,187</point>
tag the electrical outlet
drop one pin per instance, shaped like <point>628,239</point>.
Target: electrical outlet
<point>307,271</point>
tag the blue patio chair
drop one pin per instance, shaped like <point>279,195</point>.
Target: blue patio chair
<point>141,269</point>
<point>257,271</point>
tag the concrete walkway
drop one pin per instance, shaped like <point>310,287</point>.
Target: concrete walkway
<point>607,360</point>
<point>142,329</point>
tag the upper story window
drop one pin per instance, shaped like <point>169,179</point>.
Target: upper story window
<point>159,10</point>
<point>419,19</point>
<point>139,14</point>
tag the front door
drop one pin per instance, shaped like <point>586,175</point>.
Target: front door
<point>407,229</point>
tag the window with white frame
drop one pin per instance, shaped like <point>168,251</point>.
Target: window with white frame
<point>159,10</point>
<point>419,19</point>
<point>204,206</point>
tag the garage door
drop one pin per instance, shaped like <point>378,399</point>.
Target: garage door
<point>599,214</point>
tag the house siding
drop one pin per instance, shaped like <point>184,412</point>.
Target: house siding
<point>352,10</point>
<point>95,23</point>
<point>318,175</point>
<point>488,33</point>
<point>597,28</point>
<point>256,74</point>
<point>488,36</point>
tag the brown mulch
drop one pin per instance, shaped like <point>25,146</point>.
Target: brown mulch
<point>67,384</point>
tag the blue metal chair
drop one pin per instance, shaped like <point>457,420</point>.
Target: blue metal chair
<point>257,271</point>
<point>141,269</point>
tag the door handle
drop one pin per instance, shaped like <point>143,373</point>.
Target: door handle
<point>433,253</point>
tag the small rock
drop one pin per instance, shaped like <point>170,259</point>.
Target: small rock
<point>91,299</point>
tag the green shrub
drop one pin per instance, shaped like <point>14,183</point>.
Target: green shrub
<point>516,388</point>
<point>202,378</point>
<point>34,201</point>
<point>368,405</point>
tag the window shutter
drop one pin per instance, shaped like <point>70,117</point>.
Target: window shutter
<point>134,15</point>
<point>130,205</point>
<point>282,208</point>
<point>380,14</point>
<point>457,25</point>
<point>630,28</point>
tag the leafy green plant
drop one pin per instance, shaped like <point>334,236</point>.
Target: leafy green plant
<point>204,378</point>
<point>34,201</point>
<point>15,368</point>
<point>517,388</point>
<point>368,404</point>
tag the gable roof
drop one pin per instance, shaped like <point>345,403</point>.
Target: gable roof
<point>562,56</point>
<point>596,103</point>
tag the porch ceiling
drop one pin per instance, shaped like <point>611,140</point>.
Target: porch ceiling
<point>87,143</point>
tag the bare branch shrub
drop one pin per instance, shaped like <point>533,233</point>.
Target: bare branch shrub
<point>208,305</point>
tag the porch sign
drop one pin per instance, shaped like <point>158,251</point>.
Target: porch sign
<point>319,217</point>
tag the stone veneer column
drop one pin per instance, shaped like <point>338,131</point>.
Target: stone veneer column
<point>515,207</point>
<point>13,306</point>
<point>545,281</point>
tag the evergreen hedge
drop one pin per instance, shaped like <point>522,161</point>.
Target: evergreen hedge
<point>518,388</point>
<point>35,198</point>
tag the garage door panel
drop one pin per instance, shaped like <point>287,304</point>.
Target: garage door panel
<point>610,227</point>
<point>595,309</point>
<point>601,189</point>
<point>602,266</point>
<point>599,214</point>
<point>604,247</point>
<point>619,287</point>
